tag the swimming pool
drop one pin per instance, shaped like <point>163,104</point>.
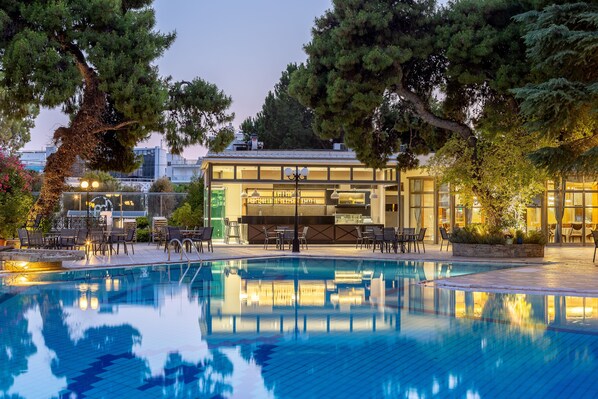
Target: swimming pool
<point>288,328</point>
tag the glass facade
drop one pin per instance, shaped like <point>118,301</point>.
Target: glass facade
<point>421,206</point>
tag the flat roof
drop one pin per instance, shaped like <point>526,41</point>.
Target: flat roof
<point>324,157</point>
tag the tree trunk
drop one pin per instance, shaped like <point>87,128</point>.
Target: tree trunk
<point>79,139</point>
<point>559,208</point>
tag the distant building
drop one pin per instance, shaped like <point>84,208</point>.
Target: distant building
<point>156,163</point>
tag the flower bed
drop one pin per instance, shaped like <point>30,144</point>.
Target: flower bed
<point>499,250</point>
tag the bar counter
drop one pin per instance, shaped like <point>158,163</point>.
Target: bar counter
<point>322,229</point>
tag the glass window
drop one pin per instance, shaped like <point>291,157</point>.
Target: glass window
<point>315,172</point>
<point>340,173</point>
<point>223,172</point>
<point>364,174</point>
<point>246,172</point>
<point>421,204</point>
<point>444,207</point>
<point>271,173</point>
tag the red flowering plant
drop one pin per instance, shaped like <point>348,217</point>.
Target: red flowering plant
<point>15,195</point>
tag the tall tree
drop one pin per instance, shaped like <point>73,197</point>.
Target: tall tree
<point>95,60</point>
<point>562,103</point>
<point>450,67</point>
<point>283,122</point>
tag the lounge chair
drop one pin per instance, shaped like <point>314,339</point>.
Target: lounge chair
<point>23,237</point>
<point>269,236</point>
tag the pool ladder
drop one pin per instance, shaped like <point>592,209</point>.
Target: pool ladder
<point>183,248</point>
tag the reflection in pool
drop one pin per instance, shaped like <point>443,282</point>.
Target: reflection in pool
<point>288,328</point>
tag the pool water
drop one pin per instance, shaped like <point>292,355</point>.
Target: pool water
<point>289,328</point>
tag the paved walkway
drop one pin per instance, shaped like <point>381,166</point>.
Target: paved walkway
<point>566,270</point>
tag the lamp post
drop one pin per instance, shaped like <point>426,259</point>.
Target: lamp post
<point>296,175</point>
<point>86,185</point>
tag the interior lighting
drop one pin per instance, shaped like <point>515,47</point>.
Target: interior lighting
<point>334,195</point>
<point>373,195</point>
<point>255,194</point>
<point>244,194</point>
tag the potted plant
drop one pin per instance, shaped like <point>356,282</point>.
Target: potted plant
<point>519,237</point>
<point>15,196</point>
<point>508,238</point>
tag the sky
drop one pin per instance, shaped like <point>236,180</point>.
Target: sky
<point>241,46</point>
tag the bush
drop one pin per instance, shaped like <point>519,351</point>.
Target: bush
<point>143,235</point>
<point>142,222</point>
<point>535,237</point>
<point>476,235</point>
<point>15,195</point>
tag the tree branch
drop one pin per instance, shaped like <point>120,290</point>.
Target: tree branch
<point>113,127</point>
<point>421,109</point>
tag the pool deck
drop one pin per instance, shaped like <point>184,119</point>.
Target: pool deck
<point>564,270</point>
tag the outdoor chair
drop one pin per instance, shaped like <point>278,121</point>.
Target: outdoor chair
<point>444,236</point>
<point>35,238</point>
<point>81,239</point>
<point>23,237</point>
<point>303,237</point>
<point>595,235</point>
<point>67,238</point>
<point>377,238</point>
<point>117,236</point>
<point>97,241</point>
<point>287,238</point>
<point>206,236</point>
<point>420,239</point>
<point>173,233</point>
<point>130,239</point>
<point>389,239</point>
<point>409,237</point>
<point>360,238</point>
<point>269,236</point>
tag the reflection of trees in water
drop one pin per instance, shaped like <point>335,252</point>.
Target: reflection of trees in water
<point>205,379</point>
<point>16,343</point>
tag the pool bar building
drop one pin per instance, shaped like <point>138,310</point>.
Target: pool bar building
<point>341,194</point>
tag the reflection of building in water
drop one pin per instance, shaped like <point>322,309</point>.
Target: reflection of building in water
<point>336,299</point>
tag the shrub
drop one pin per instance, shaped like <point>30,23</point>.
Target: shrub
<point>142,222</point>
<point>535,237</point>
<point>476,235</point>
<point>143,235</point>
<point>15,195</point>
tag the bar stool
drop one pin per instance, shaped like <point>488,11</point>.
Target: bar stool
<point>226,230</point>
<point>233,232</point>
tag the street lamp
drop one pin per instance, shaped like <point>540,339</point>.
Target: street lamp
<point>296,175</point>
<point>86,185</point>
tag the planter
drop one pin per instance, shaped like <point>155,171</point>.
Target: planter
<point>498,251</point>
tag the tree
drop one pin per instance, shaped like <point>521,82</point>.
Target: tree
<point>190,213</point>
<point>95,60</point>
<point>14,131</point>
<point>15,195</point>
<point>451,68</point>
<point>283,123</point>
<point>561,104</point>
<point>107,182</point>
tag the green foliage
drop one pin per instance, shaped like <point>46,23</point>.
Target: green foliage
<point>142,222</point>
<point>562,101</point>
<point>107,181</point>
<point>283,122</point>
<point>143,234</point>
<point>185,216</point>
<point>477,235</point>
<point>535,237</point>
<point>190,213</point>
<point>162,185</point>
<point>14,130</point>
<point>96,60</point>
<point>15,195</point>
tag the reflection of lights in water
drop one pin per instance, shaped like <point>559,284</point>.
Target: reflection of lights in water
<point>94,303</point>
<point>83,303</point>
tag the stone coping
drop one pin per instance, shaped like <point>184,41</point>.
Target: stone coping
<point>498,250</point>
<point>41,255</point>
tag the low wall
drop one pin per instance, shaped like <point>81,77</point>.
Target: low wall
<point>499,251</point>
